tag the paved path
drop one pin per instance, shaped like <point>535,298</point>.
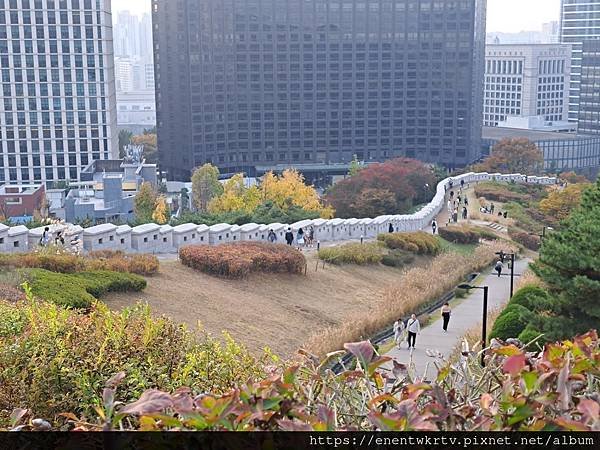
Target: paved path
<point>466,314</point>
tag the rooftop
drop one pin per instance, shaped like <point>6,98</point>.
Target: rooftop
<point>497,133</point>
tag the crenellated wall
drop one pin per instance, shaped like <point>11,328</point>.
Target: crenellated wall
<point>152,238</point>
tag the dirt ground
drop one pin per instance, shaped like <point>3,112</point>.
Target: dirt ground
<point>278,311</point>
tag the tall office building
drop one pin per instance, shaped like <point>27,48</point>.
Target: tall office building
<point>58,109</point>
<point>579,22</point>
<point>589,92</point>
<point>258,83</point>
<point>530,80</point>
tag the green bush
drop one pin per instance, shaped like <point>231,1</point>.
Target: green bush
<point>459,234</point>
<point>79,290</point>
<point>529,334</point>
<point>54,360</point>
<point>511,322</point>
<point>397,258</point>
<point>533,298</point>
<point>361,254</point>
<point>420,242</point>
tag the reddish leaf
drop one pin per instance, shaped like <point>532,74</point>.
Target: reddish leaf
<point>151,402</point>
<point>115,380</point>
<point>514,364</point>
<point>363,351</point>
<point>589,408</point>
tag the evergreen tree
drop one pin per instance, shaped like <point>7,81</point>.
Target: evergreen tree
<point>569,264</point>
<point>144,203</point>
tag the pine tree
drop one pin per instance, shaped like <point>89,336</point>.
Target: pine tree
<point>569,263</point>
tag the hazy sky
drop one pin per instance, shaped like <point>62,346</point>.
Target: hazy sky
<point>503,15</point>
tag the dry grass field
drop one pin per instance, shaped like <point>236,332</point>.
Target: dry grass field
<point>278,311</point>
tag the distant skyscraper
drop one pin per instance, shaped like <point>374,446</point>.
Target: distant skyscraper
<point>589,92</point>
<point>525,81</point>
<point>58,108</point>
<point>249,83</point>
<point>580,22</point>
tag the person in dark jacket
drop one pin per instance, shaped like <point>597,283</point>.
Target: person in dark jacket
<point>391,228</point>
<point>289,237</point>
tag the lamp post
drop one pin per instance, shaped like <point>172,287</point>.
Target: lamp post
<point>485,315</point>
<point>512,256</point>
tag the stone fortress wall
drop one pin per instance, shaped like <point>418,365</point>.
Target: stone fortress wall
<point>165,239</point>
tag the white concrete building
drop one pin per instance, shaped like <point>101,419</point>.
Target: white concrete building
<point>58,108</point>
<point>526,80</point>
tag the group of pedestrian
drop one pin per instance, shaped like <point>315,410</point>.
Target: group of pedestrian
<point>46,238</point>
<point>412,328</point>
<point>302,238</point>
<point>491,209</point>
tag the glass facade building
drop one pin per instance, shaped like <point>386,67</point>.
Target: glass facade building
<point>589,94</point>
<point>579,22</point>
<point>247,83</point>
<point>58,109</point>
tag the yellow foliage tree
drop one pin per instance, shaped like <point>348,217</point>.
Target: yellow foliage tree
<point>159,215</point>
<point>236,196</point>
<point>561,202</point>
<point>289,190</point>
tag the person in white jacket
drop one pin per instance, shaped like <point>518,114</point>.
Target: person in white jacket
<point>414,327</point>
<point>399,332</point>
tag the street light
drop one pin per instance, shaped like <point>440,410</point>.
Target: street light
<point>512,256</point>
<point>468,287</point>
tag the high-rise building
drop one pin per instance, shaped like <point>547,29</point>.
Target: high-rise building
<point>58,108</point>
<point>589,92</point>
<point>247,83</point>
<point>579,22</point>
<point>526,81</point>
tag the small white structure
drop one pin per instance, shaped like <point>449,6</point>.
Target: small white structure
<point>236,233</point>
<point>165,244</point>
<point>339,229</point>
<point>370,227</point>
<point>185,234</point>
<point>263,232</point>
<point>250,232</point>
<point>219,234</point>
<point>17,239</point>
<point>100,237</point>
<point>3,237</point>
<point>146,238</point>
<point>124,238</point>
<point>355,229</point>
<point>322,230</point>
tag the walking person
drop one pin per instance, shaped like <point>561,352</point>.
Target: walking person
<point>311,236</point>
<point>59,239</point>
<point>399,332</point>
<point>466,201</point>
<point>446,316</point>
<point>465,213</point>
<point>449,207</point>
<point>414,327</point>
<point>462,183</point>
<point>434,226</point>
<point>272,237</point>
<point>45,239</point>
<point>391,228</point>
<point>492,208</point>
<point>289,237</point>
<point>455,215</point>
<point>300,238</point>
<point>498,267</point>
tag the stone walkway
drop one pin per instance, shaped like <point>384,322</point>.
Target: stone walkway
<point>466,314</point>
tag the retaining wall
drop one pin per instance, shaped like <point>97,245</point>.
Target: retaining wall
<point>152,238</point>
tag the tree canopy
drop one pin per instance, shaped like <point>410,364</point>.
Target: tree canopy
<point>205,186</point>
<point>513,156</point>
<point>144,203</point>
<point>367,193</point>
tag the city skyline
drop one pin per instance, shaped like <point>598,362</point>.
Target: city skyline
<point>501,13</point>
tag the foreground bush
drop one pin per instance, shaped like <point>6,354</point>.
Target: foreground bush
<point>79,290</point>
<point>54,360</point>
<point>511,322</point>
<point>420,242</point>
<point>241,259</point>
<point>529,241</point>
<point>397,258</point>
<point>459,234</point>
<point>555,390</point>
<point>361,254</point>
<point>57,260</point>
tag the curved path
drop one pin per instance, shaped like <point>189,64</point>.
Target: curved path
<point>466,314</point>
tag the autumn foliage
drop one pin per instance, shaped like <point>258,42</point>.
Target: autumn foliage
<point>392,187</point>
<point>238,260</point>
<point>513,156</point>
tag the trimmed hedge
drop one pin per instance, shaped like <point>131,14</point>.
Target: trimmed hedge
<point>238,260</point>
<point>397,258</point>
<point>534,298</point>
<point>64,262</point>
<point>360,254</point>
<point>419,242</point>
<point>79,290</point>
<point>529,241</point>
<point>511,322</point>
<point>459,234</point>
